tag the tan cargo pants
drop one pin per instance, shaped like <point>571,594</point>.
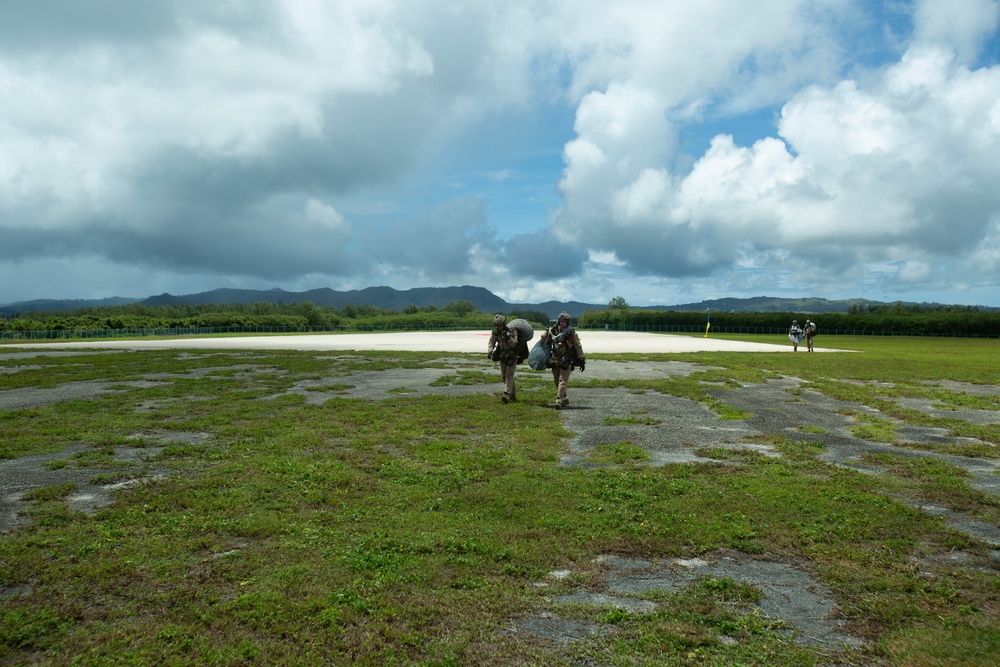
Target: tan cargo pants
<point>507,374</point>
<point>560,376</point>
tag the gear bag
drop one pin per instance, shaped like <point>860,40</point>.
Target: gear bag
<point>524,334</point>
<point>538,359</point>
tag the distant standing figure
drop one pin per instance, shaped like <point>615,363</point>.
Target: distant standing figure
<point>566,353</point>
<point>503,348</point>
<point>795,335</point>
<point>810,331</point>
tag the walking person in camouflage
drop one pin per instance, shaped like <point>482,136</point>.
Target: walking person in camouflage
<point>566,353</point>
<point>810,333</point>
<point>503,347</point>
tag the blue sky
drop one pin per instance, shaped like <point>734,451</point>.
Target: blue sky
<point>660,150</point>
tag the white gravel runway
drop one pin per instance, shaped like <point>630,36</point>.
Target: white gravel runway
<point>594,341</point>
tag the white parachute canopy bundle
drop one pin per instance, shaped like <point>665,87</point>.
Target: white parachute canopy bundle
<point>524,334</point>
<point>524,330</point>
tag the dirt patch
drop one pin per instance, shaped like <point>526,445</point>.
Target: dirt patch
<point>641,370</point>
<point>129,466</point>
<point>34,397</point>
<point>382,385</point>
<point>981,530</point>
<point>27,398</point>
<point>789,595</point>
<point>33,354</point>
<point>932,408</point>
<point>10,370</point>
<point>554,629</point>
<point>966,387</point>
<point>669,428</point>
<point>27,473</point>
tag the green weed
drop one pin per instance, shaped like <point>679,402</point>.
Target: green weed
<point>619,453</point>
<point>874,428</point>
<point>623,421</point>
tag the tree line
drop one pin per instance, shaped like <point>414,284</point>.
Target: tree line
<point>304,316</point>
<point>905,319</point>
<point>887,319</point>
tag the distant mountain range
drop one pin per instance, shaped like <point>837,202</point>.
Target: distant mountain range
<point>393,299</point>
<point>379,297</point>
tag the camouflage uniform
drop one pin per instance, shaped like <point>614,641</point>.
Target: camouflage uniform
<point>810,332</point>
<point>566,352</point>
<point>503,348</point>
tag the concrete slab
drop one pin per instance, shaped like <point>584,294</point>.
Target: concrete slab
<point>596,341</point>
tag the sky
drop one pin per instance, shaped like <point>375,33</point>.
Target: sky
<point>663,151</point>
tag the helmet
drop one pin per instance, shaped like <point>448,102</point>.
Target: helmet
<point>563,316</point>
<point>499,321</point>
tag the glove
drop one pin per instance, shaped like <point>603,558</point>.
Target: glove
<point>489,355</point>
<point>583,365</point>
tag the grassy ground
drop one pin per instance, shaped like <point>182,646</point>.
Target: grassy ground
<point>412,530</point>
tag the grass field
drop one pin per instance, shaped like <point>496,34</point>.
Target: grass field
<point>268,528</point>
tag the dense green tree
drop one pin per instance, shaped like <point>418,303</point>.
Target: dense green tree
<point>618,303</point>
<point>313,317</point>
<point>462,307</point>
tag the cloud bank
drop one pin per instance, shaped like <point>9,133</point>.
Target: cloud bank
<point>664,151</point>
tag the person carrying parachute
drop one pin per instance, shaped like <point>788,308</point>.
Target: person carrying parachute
<point>566,353</point>
<point>509,346</point>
